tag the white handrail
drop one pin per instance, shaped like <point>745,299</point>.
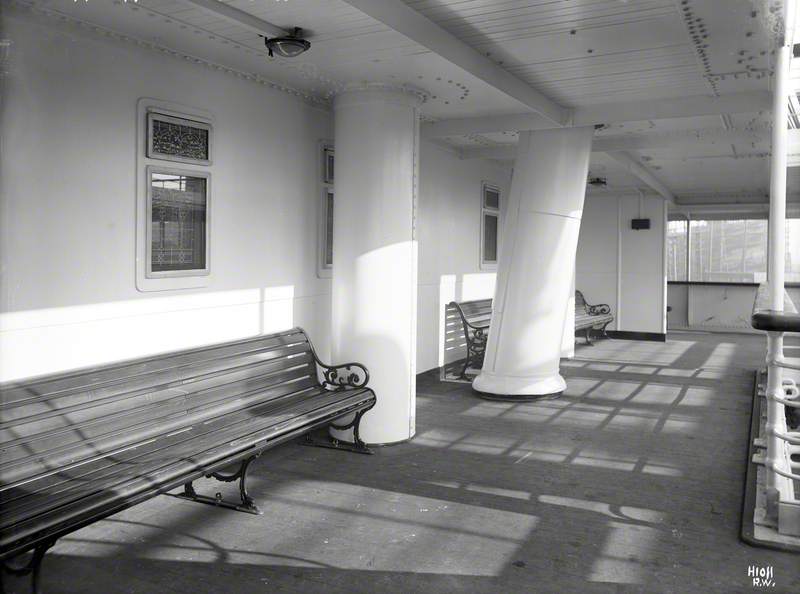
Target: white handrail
<point>780,393</point>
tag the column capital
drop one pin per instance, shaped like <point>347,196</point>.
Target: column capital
<point>372,92</point>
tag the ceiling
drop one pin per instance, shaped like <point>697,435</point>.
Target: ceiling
<point>576,53</point>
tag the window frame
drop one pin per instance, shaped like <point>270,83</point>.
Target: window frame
<point>156,114</point>
<point>484,211</point>
<point>149,272</point>
<point>326,152</point>
<point>688,219</point>
<point>146,279</point>
<point>686,266</point>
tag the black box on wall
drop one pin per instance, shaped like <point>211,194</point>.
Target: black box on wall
<point>638,224</point>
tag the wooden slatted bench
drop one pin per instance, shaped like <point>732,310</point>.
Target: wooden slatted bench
<point>591,317</point>
<point>475,318</point>
<point>477,314</point>
<point>80,446</point>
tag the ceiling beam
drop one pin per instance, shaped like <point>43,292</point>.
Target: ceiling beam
<point>610,113</point>
<point>639,142</point>
<point>679,140</point>
<point>420,29</point>
<point>679,107</point>
<point>637,169</point>
<point>238,17</point>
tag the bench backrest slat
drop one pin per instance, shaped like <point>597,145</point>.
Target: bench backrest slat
<point>48,421</point>
<point>17,393</point>
<point>480,310</point>
<point>476,311</point>
<point>580,302</point>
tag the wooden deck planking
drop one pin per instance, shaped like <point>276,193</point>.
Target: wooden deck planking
<point>630,482</point>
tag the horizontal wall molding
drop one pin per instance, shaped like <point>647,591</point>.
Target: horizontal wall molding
<point>630,335</point>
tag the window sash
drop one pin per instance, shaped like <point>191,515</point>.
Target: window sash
<point>489,225</point>
<point>731,251</point>
<point>164,228</point>
<point>154,115</point>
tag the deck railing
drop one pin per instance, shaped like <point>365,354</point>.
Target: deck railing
<point>781,443</point>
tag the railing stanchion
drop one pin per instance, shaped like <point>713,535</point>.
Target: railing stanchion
<point>774,411</point>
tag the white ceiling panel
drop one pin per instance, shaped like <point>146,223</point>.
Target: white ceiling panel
<point>576,52</point>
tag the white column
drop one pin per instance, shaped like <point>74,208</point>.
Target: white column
<point>537,263</point>
<point>775,484</point>
<point>777,183</point>
<point>374,252</point>
<point>568,340</point>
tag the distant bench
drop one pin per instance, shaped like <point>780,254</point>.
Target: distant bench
<point>475,318</point>
<point>78,447</point>
<point>591,317</point>
<point>477,314</point>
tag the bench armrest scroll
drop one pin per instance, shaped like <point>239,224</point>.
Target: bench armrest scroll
<point>353,375</point>
<point>599,309</point>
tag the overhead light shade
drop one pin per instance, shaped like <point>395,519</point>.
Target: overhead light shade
<point>289,46</point>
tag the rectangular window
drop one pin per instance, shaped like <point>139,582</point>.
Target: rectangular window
<point>490,238</point>
<point>178,139</point>
<point>328,162</point>
<point>325,249</point>
<point>731,251</point>
<point>792,251</point>
<point>490,225</point>
<point>177,229</point>
<point>677,250</point>
<point>328,256</point>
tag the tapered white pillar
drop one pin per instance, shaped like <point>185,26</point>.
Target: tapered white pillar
<point>374,253</point>
<point>537,263</point>
<point>568,338</point>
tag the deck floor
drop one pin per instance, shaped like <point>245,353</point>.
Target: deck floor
<point>632,481</point>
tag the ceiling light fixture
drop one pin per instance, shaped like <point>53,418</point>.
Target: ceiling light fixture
<point>287,47</point>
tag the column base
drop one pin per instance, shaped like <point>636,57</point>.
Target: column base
<point>520,387</point>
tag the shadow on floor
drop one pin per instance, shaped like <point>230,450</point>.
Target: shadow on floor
<point>629,482</point>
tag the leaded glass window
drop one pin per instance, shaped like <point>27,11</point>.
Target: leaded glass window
<point>177,223</point>
<point>178,139</point>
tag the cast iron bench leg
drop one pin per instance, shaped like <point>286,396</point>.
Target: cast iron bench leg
<point>358,446</point>
<point>466,361</point>
<point>247,504</point>
<point>33,567</point>
<point>589,336</point>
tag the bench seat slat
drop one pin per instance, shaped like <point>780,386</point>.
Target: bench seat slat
<point>78,446</point>
<point>109,376</point>
<point>101,435</point>
<point>320,409</point>
<point>73,483</point>
<point>587,320</point>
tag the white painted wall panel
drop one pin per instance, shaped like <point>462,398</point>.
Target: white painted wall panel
<point>725,307</point>
<point>448,233</point>
<point>596,260</point>
<point>642,267</point>
<point>68,296</point>
<point>639,304</point>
